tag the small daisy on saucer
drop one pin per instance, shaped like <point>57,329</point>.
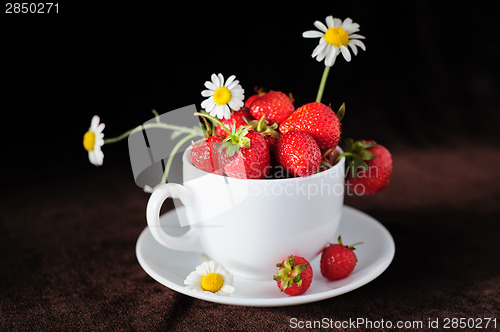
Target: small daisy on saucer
<point>335,36</point>
<point>93,140</point>
<point>222,97</point>
<point>210,277</point>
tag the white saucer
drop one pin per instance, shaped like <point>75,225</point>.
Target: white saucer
<point>170,267</point>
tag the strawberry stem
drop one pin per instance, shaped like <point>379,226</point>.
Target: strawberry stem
<point>355,244</point>
<point>259,124</point>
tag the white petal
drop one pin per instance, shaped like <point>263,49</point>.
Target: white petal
<point>100,128</point>
<point>215,81</point>
<point>353,47</point>
<point>237,96</point>
<point>217,111</point>
<point>221,80</point>
<point>226,112</point>
<point>354,27</point>
<point>347,23</point>
<point>345,52</point>
<point>211,86</point>
<point>226,290</point>
<point>207,102</point>
<point>233,85</point>
<point>230,79</point>
<point>193,278</point>
<point>207,93</point>
<point>332,55</point>
<point>212,110</point>
<point>96,157</point>
<point>235,104</point>
<point>319,49</point>
<point>237,89</point>
<point>337,22</point>
<point>350,29</point>
<point>356,36</point>
<point>91,158</point>
<point>349,26</point>
<point>320,26</point>
<point>326,51</point>
<point>99,142</point>
<point>329,21</point>
<point>312,34</point>
<point>94,123</point>
<point>203,268</point>
<point>358,43</point>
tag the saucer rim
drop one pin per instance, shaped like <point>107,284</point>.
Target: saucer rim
<point>373,272</point>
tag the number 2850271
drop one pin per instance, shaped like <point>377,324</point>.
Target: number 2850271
<point>31,8</point>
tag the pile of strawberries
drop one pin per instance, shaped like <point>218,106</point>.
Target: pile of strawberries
<point>269,138</point>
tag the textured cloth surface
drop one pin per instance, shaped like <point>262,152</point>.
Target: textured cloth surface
<point>68,253</point>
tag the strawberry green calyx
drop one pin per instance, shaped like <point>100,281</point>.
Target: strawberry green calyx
<point>341,112</point>
<point>357,154</point>
<point>290,273</point>
<point>262,126</point>
<point>235,139</point>
<point>350,247</point>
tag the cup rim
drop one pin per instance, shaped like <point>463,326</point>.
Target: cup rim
<point>186,159</point>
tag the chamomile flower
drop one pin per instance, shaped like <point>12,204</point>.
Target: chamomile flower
<point>335,37</point>
<point>93,140</point>
<point>210,277</point>
<point>222,97</point>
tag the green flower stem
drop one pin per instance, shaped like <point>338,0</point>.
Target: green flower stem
<point>179,129</point>
<point>122,136</point>
<point>172,155</point>
<point>217,121</point>
<point>322,84</point>
<point>157,116</point>
<point>192,133</point>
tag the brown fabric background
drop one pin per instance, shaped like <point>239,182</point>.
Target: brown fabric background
<point>427,88</point>
<point>68,253</point>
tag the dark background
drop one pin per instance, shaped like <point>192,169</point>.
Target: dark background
<point>427,88</point>
<point>428,76</point>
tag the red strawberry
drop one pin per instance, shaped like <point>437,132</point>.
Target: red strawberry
<point>318,120</point>
<point>269,132</point>
<point>245,155</point>
<point>250,100</point>
<point>369,167</point>
<point>338,261</point>
<point>294,276</point>
<point>204,154</point>
<point>259,92</point>
<point>275,105</point>
<point>298,153</point>
<point>237,119</point>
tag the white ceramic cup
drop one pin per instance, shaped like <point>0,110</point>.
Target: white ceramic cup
<point>250,225</point>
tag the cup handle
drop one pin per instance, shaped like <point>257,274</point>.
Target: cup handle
<point>189,241</point>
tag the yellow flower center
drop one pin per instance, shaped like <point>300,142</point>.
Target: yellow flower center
<point>212,282</point>
<point>89,141</point>
<point>222,96</point>
<point>336,37</point>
